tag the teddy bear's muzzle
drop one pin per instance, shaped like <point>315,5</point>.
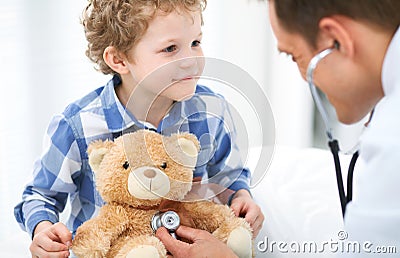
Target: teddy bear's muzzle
<point>148,183</point>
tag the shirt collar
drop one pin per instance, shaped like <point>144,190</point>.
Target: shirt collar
<point>118,118</point>
<point>390,71</point>
<point>183,113</point>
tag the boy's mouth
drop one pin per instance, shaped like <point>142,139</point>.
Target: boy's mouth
<point>184,79</point>
<point>187,78</point>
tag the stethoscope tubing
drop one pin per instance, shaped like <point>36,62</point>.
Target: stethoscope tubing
<point>332,142</point>
<point>317,100</point>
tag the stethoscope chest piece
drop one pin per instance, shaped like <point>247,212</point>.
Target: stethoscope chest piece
<point>170,220</point>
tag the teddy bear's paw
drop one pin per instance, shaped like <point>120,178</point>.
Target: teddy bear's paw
<point>240,242</point>
<point>141,246</point>
<point>143,251</point>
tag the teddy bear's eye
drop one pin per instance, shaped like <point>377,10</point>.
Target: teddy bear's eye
<point>126,165</point>
<point>164,165</point>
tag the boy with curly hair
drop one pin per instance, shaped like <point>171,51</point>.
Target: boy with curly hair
<point>128,39</point>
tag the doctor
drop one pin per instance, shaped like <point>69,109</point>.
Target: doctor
<point>360,77</point>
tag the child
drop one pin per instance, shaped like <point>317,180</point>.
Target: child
<point>128,39</point>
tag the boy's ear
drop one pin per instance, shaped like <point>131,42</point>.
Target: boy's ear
<point>115,60</point>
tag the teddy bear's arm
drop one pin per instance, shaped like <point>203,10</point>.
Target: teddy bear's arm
<point>94,237</point>
<point>223,224</point>
<point>208,215</point>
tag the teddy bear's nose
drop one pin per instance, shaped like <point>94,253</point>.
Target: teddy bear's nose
<point>149,173</point>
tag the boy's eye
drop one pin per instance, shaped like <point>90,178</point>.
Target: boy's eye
<point>170,49</point>
<point>196,43</point>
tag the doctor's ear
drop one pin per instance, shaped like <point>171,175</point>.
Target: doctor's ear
<point>333,29</point>
<point>115,60</point>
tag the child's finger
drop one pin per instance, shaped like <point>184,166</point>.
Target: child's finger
<point>62,232</point>
<point>237,208</point>
<point>257,227</point>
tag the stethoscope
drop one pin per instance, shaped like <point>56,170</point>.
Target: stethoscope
<point>333,143</point>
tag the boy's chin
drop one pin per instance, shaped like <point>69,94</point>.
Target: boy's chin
<point>184,92</point>
<point>181,91</point>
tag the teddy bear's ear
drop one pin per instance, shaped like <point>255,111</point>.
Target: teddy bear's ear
<point>96,152</point>
<point>189,144</point>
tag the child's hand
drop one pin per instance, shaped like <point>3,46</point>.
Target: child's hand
<point>51,240</point>
<point>243,205</point>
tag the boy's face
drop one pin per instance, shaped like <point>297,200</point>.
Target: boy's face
<point>168,60</point>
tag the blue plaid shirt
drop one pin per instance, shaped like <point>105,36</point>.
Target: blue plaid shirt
<point>63,170</point>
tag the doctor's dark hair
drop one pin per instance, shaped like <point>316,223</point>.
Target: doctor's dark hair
<point>122,23</point>
<point>303,16</point>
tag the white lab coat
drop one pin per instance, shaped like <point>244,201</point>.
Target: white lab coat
<point>373,217</point>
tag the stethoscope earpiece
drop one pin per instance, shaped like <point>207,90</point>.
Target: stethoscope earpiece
<point>336,45</point>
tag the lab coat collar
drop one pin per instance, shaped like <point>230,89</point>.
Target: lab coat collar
<point>391,64</point>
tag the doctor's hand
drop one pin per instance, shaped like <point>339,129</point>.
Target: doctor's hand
<point>202,244</point>
<point>244,206</point>
<point>51,240</point>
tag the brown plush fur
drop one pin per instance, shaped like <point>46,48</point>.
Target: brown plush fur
<point>123,223</point>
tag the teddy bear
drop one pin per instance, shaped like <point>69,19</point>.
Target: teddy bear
<point>134,175</point>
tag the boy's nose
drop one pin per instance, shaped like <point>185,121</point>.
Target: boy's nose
<point>188,62</point>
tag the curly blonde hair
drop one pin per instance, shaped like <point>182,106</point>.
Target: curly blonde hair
<point>122,23</point>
